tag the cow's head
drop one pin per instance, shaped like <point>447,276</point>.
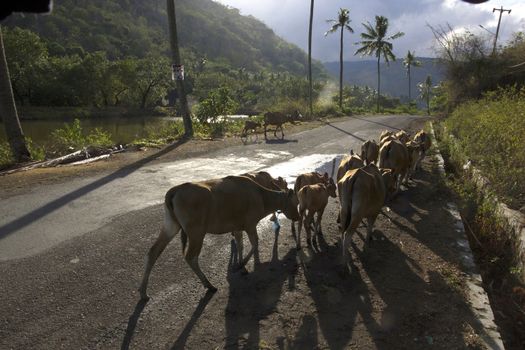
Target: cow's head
<point>289,208</point>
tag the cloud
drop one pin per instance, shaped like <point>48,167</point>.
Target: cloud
<point>289,20</point>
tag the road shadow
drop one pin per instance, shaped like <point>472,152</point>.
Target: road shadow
<point>48,208</point>
<point>344,131</point>
<point>378,123</point>
<point>180,343</point>
<point>132,324</point>
<point>280,141</point>
<point>253,297</point>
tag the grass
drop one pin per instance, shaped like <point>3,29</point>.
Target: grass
<point>490,133</point>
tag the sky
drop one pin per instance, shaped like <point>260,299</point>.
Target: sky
<point>289,20</point>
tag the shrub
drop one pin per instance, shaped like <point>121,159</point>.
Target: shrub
<point>218,103</point>
<point>71,137</point>
<point>490,132</point>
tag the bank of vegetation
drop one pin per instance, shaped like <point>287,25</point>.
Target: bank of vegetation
<point>482,102</point>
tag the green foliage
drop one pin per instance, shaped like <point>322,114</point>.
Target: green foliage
<point>490,133</point>
<point>71,137</point>
<point>6,157</point>
<point>218,103</point>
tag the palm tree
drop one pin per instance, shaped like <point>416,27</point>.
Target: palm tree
<point>375,42</point>
<point>425,91</point>
<point>310,92</point>
<point>175,55</point>
<point>8,113</point>
<point>408,61</point>
<point>342,22</point>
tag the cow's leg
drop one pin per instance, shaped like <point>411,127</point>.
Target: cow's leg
<point>265,127</point>
<point>308,226</point>
<point>299,228</point>
<point>154,252</point>
<point>195,240</point>
<point>370,228</point>
<point>254,241</point>
<point>239,244</point>
<point>319,218</point>
<point>282,132</point>
<point>275,131</point>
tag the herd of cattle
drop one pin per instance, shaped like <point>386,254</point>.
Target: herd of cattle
<point>237,203</point>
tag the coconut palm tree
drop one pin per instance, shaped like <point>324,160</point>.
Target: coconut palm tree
<point>310,89</point>
<point>8,113</point>
<point>425,91</point>
<point>409,61</point>
<point>342,22</point>
<point>175,55</point>
<point>376,42</point>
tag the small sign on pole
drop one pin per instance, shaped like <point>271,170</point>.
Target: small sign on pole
<point>177,72</point>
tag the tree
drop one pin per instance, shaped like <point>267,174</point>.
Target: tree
<point>151,79</point>
<point>409,61</point>
<point>175,55</point>
<point>13,129</point>
<point>342,22</point>
<point>425,91</point>
<point>376,42</point>
<point>25,53</point>
<point>310,87</point>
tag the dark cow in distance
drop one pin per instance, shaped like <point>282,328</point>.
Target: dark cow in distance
<point>278,119</point>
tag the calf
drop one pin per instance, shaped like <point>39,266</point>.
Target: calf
<point>362,194</point>
<point>369,151</point>
<point>310,179</point>
<point>233,203</point>
<point>250,125</point>
<point>313,198</point>
<point>394,155</point>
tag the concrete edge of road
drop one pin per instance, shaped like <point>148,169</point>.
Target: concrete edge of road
<point>478,298</point>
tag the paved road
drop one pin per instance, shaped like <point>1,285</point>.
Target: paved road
<point>72,257</point>
<point>49,215</point>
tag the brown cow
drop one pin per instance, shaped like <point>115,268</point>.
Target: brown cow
<point>394,155</point>
<point>352,161</point>
<point>362,194</point>
<point>370,151</point>
<point>424,139</point>
<point>313,198</point>
<point>278,119</point>
<point>250,125</point>
<point>233,203</point>
<point>402,136</point>
<point>310,179</point>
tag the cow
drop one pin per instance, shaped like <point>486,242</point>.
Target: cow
<point>233,203</point>
<point>362,194</point>
<point>278,119</point>
<point>351,161</point>
<point>424,139</point>
<point>394,155</point>
<point>369,151</point>
<point>313,198</point>
<point>402,136</point>
<point>250,125</point>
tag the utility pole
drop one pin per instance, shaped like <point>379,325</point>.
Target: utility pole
<point>176,61</point>
<point>501,10</point>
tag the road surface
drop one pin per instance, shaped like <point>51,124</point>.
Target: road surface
<point>71,258</point>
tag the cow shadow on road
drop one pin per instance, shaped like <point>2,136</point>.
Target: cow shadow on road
<point>253,297</point>
<point>280,141</point>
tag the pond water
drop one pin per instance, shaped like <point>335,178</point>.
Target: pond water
<point>123,130</point>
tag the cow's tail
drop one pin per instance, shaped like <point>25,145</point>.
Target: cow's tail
<point>383,156</point>
<point>348,203</point>
<point>171,225</point>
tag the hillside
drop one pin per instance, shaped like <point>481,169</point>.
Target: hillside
<point>394,80</point>
<point>124,28</point>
